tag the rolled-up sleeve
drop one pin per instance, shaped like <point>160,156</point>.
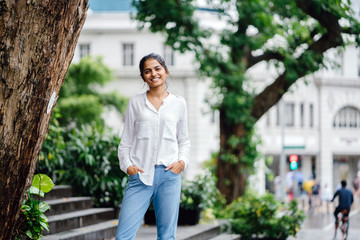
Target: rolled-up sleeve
<point>127,138</point>
<point>183,138</point>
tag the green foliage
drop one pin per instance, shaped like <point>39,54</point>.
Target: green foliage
<point>201,193</point>
<point>84,77</point>
<point>262,217</point>
<point>32,214</point>
<point>79,101</point>
<point>89,154</point>
<point>91,165</point>
<point>53,152</point>
<point>172,17</point>
<point>81,109</point>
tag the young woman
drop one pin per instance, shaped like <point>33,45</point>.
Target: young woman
<point>154,149</point>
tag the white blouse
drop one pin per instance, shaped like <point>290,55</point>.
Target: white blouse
<point>153,137</point>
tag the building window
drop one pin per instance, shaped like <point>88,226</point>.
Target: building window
<point>347,117</point>
<point>169,56</point>
<point>311,115</point>
<point>128,54</point>
<point>290,114</point>
<point>302,117</point>
<point>84,50</point>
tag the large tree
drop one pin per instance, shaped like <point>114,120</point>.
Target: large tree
<point>37,42</point>
<point>291,35</point>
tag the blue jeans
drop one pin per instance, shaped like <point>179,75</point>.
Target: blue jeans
<point>165,193</point>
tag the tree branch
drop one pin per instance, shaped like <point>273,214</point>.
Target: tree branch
<point>316,11</point>
<point>265,57</point>
<point>273,93</point>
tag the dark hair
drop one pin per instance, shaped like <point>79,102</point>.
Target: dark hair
<point>343,183</point>
<point>155,56</point>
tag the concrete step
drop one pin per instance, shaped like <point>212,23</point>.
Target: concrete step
<point>226,236</point>
<point>71,204</point>
<point>206,233</point>
<point>100,231</point>
<point>58,191</point>
<point>67,221</point>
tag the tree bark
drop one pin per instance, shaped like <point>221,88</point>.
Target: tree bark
<point>37,43</point>
<point>231,175</point>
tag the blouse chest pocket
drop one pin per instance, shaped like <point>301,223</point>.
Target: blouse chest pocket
<point>169,131</point>
<point>142,130</point>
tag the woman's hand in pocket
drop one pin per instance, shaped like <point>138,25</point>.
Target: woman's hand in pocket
<point>176,167</point>
<point>134,170</point>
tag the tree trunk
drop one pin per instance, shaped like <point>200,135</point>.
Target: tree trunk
<point>231,175</point>
<point>37,42</point>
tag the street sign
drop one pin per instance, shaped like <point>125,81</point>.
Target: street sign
<point>294,147</point>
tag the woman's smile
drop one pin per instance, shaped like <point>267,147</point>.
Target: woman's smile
<point>154,74</point>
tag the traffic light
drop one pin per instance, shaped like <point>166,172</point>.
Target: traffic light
<point>293,158</point>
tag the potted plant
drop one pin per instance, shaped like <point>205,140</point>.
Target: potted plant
<point>190,203</point>
<point>196,195</point>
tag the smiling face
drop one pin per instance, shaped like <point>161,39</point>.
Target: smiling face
<point>154,74</point>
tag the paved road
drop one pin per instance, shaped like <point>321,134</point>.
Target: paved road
<point>320,226</point>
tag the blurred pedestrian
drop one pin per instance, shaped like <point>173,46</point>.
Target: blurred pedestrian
<point>326,198</point>
<point>154,149</point>
<point>316,194</point>
<point>345,200</point>
<point>307,186</point>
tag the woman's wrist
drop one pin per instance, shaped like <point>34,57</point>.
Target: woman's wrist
<point>182,162</point>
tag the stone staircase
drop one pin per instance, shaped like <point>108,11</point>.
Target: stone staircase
<point>74,218</point>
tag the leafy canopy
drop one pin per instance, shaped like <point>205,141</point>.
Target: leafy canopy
<point>232,36</point>
<point>80,102</point>
<point>292,35</point>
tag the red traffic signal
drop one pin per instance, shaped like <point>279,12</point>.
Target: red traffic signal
<point>293,158</point>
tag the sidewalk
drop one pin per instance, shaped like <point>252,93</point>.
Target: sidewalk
<point>320,226</point>
<point>317,226</point>
<point>183,232</point>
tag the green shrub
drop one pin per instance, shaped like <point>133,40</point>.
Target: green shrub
<point>87,160</point>
<point>53,152</point>
<point>262,217</point>
<point>92,166</point>
<point>80,109</point>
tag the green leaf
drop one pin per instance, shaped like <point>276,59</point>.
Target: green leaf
<point>25,207</point>
<point>29,234</point>
<point>43,182</point>
<point>35,190</point>
<point>43,206</point>
<point>45,225</point>
<point>43,217</point>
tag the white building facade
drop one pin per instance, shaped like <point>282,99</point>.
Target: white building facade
<point>322,117</point>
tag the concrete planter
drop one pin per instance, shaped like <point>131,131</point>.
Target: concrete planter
<point>186,217</point>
